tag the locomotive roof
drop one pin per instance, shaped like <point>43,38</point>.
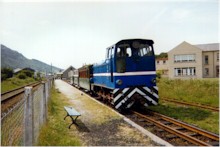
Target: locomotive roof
<point>128,40</point>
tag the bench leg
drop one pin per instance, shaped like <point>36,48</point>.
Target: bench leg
<point>73,121</point>
<point>66,116</point>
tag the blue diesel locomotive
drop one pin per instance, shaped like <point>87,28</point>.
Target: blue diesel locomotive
<point>126,77</point>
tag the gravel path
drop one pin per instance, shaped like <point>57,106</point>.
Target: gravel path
<point>99,125</point>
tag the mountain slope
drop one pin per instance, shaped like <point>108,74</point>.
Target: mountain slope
<point>14,59</point>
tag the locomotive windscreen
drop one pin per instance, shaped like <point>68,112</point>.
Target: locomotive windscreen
<point>128,48</point>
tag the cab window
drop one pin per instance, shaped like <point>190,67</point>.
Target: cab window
<point>108,53</point>
<point>124,52</point>
<point>112,52</point>
<point>145,50</point>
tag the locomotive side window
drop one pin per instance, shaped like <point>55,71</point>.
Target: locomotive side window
<point>124,52</point>
<point>128,52</point>
<point>110,53</point>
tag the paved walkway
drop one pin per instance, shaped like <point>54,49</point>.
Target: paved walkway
<point>99,125</point>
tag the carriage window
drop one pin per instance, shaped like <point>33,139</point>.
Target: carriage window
<point>145,51</point>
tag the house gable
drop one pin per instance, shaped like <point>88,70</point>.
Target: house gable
<point>184,48</point>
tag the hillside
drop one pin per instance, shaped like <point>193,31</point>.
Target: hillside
<point>13,59</point>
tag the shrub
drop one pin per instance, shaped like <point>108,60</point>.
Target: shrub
<point>21,76</point>
<point>158,74</point>
<point>6,73</point>
<point>28,73</point>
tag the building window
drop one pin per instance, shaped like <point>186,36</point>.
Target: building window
<point>186,71</point>
<point>206,71</point>
<point>164,61</point>
<point>217,71</point>
<point>158,62</point>
<point>185,58</point>
<point>206,59</point>
<point>217,56</point>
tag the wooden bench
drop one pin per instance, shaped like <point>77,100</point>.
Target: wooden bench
<point>71,112</point>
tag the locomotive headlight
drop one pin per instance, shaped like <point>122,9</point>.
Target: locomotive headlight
<point>119,82</point>
<point>153,80</point>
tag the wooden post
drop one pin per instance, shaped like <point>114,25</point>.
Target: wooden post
<point>44,102</point>
<point>28,118</point>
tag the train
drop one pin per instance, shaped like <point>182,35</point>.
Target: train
<point>127,76</point>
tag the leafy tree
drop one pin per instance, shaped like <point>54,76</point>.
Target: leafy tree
<point>6,73</point>
<point>162,55</point>
<point>28,73</point>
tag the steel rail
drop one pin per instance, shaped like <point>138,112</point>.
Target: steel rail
<point>191,104</point>
<point>174,131</point>
<point>189,127</point>
<point>12,93</point>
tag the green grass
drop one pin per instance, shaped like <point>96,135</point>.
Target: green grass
<point>12,83</point>
<point>56,132</point>
<point>195,91</point>
<point>204,119</point>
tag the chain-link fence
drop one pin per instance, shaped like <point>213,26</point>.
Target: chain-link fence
<point>20,126</point>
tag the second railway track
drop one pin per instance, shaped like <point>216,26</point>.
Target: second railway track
<point>179,133</point>
<point>12,93</point>
<point>216,109</point>
<point>12,97</point>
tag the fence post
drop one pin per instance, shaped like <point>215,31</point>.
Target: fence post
<point>28,118</point>
<point>44,102</point>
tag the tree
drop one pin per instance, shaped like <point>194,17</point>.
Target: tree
<point>28,73</point>
<point>6,73</point>
<point>162,55</point>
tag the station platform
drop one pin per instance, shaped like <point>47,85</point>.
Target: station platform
<point>100,125</point>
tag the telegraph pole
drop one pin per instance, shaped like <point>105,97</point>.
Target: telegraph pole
<point>51,69</point>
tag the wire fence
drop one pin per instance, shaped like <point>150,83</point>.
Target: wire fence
<point>20,126</point>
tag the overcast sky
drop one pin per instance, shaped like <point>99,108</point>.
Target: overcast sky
<point>68,32</point>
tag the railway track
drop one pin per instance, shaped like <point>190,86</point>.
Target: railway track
<point>12,97</point>
<point>174,131</point>
<point>216,109</point>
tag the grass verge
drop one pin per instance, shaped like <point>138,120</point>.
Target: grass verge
<point>55,132</point>
<point>196,91</point>
<point>14,82</point>
<point>201,118</point>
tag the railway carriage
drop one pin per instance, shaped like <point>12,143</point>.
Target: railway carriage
<point>128,75</point>
<point>85,75</point>
<point>76,77</point>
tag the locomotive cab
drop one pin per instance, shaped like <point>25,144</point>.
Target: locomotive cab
<point>133,51</point>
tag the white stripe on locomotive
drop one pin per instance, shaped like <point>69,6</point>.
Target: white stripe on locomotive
<point>140,73</point>
<point>155,87</point>
<point>154,94</point>
<point>130,104</point>
<point>120,94</point>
